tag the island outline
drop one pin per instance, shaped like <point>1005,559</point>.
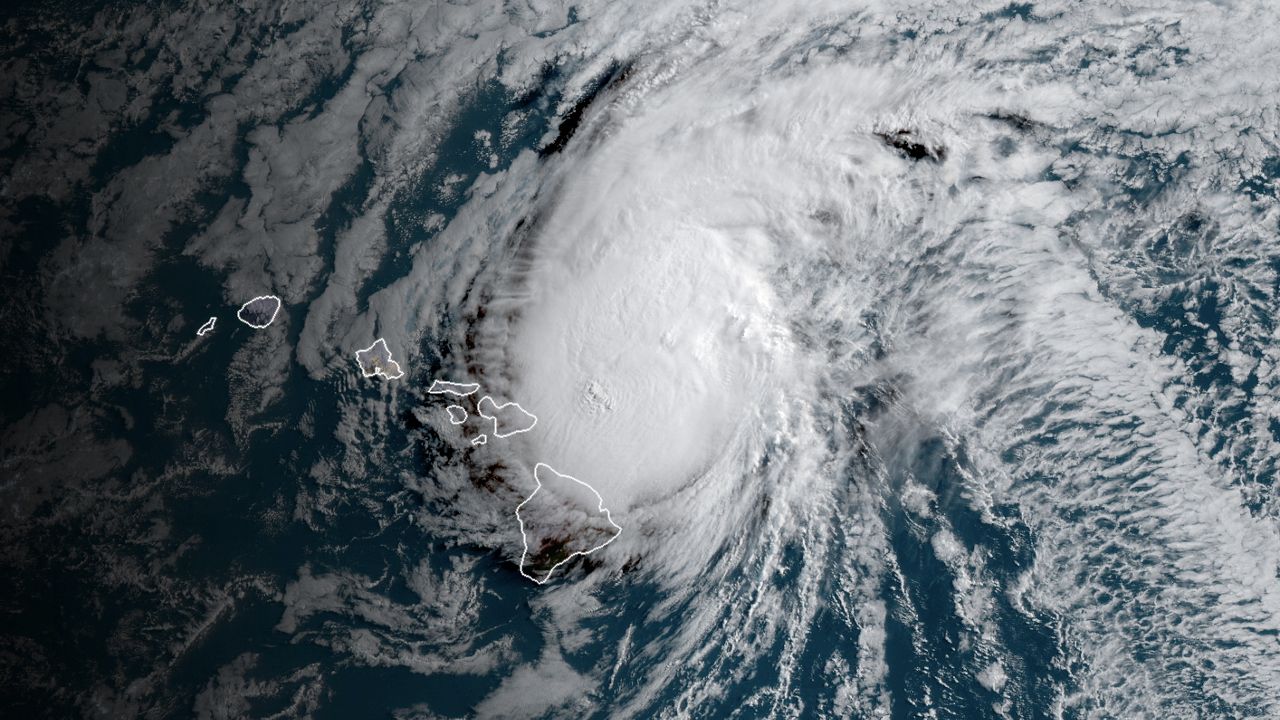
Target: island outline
<point>524,538</point>
<point>382,357</point>
<point>457,414</point>
<point>494,418</point>
<point>240,316</point>
<point>444,387</point>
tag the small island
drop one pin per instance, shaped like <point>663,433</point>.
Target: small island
<point>376,360</point>
<point>259,312</point>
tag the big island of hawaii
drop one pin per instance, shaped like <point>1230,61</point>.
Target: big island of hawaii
<point>561,519</point>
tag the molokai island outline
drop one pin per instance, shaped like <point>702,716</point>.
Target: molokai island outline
<point>444,387</point>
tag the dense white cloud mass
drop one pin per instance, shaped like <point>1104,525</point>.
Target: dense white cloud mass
<point>691,309</point>
<point>816,295</point>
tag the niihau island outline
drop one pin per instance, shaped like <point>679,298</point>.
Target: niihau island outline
<point>524,537</point>
<point>257,309</point>
<point>444,387</point>
<point>376,360</point>
<point>207,326</point>
<point>533,419</point>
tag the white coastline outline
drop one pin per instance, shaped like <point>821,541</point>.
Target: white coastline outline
<point>444,387</point>
<point>279,304</point>
<point>480,440</point>
<point>399,371</point>
<point>207,326</point>
<point>525,538</point>
<point>494,418</point>
<point>460,420</point>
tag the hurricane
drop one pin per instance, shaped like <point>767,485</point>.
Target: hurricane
<point>631,360</point>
